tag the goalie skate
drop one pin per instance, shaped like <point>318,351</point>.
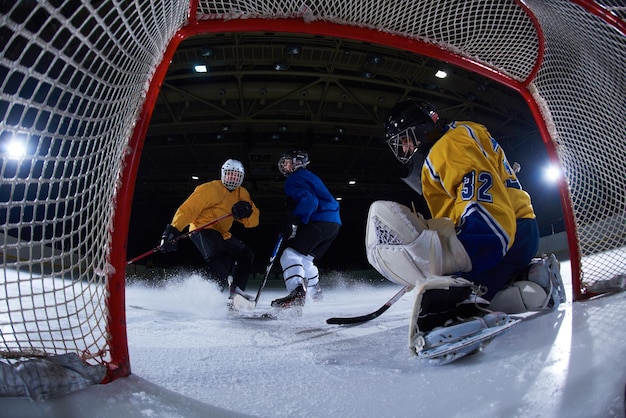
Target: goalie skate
<point>447,344</point>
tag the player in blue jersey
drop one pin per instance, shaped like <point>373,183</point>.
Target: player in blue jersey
<point>312,226</point>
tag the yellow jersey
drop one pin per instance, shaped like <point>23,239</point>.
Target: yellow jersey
<point>210,201</point>
<point>466,177</point>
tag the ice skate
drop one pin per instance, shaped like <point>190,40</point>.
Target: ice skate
<point>316,292</point>
<point>297,297</point>
<point>450,320</point>
<point>235,290</point>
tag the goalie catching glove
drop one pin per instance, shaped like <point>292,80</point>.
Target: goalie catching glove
<point>407,249</point>
<point>168,243</point>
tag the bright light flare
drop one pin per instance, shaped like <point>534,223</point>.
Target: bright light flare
<point>552,174</point>
<point>16,149</point>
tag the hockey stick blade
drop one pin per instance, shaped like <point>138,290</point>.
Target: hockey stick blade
<point>242,304</point>
<point>372,315</point>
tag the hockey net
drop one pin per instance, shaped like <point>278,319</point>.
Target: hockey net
<point>78,81</point>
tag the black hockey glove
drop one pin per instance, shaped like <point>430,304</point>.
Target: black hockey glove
<point>290,227</point>
<point>168,244</point>
<point>241,210</point>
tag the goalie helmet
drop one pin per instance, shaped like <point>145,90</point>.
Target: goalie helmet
<point>293,161</point>
<point>232,174</point>
<point>412,126</point>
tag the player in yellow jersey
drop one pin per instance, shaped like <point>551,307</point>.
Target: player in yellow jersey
<point>470,262</point>
<point>225,254</point>
<point>464,176</point>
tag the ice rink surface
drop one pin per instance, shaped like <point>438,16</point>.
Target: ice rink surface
<point>191,358</point>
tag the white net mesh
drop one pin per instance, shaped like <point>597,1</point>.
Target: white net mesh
<point>75,74</point>
<point>73,78</point>
<point>582,79</point>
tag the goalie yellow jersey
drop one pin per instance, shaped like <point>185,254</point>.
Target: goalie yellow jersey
<point>467,178</point>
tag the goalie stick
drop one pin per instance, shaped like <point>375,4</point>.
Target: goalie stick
<point>241,303</point>
<point>185,235</point>
<point>372,315</point>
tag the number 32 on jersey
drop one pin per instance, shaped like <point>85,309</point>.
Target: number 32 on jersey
<point>477,186</point>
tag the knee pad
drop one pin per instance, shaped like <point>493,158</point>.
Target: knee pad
<point>539,288</point>
<point>522,296</point>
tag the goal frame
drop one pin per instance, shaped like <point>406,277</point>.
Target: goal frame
<point>80,82</point>
<point>292,25</point>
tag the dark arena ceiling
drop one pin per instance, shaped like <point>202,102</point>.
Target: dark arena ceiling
<point>265,93</point>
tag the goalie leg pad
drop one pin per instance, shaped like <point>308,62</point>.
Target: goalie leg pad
<point>445,327</point>
<point>548,266</point>
<point>522,296</point>
<point>447,344</point>
<point>540,288</point>
<point>437,301</point>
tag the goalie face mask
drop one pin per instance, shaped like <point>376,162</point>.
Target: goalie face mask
<point>412,126</point>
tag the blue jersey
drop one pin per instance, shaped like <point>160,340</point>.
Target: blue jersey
<point>313,200</point>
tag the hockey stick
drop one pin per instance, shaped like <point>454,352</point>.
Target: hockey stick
<point>372,315</point>
<point>185,235</point>
<point>242,303</point>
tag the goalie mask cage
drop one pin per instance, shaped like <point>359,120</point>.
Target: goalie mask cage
<point>78,81</point>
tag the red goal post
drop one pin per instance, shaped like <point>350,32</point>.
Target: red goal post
<point>83,112</point>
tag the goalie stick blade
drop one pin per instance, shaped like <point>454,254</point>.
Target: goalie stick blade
<point>447,353</point>
<point>370,316</point>
<point>357,319</point>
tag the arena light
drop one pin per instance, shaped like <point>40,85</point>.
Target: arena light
<point>16,149</point>
<point>552,173</point>
<point>200,68</point>
<point>293,49</point>
<point>441,74</point>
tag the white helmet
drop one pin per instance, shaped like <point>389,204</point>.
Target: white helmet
<point>232,174</point>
